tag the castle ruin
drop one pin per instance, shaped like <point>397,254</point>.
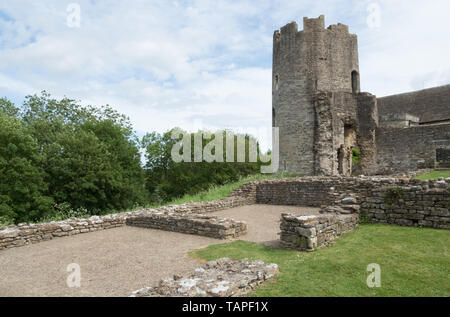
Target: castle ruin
<point>323,117</point>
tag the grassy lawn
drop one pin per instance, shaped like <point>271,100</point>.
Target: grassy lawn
<point>413,261</point>
<point>434,174</point>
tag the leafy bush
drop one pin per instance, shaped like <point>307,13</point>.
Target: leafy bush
<point>64,211</point>
<point>355,155</point>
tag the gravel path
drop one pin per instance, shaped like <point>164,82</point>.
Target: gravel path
<point>263,221</point>
<point>117,261</point>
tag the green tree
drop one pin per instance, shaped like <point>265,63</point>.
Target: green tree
<point>166,179</point>
<point>22,186</point>
<point>7,107</point>
<point>90,155</point>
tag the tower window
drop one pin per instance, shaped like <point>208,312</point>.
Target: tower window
<point>273,117</point>
<point>276,80</point>
<point>355,82</point>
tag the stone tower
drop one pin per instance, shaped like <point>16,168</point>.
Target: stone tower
<point>316,101</point>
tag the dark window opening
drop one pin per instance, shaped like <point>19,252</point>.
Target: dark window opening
<point>355,82</point>
<point>273,117</point>
<point>443,157</point>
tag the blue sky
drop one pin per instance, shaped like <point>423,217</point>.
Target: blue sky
<point>204,63</point>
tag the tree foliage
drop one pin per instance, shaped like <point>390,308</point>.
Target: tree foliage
<point>167,179</point>
<point>87,157</point>
<point>22,187</point>
<point>59,158</point>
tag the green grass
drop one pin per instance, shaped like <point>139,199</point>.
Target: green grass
<point>434,174</point>
<point>413,261</point>
<point>218,192</point>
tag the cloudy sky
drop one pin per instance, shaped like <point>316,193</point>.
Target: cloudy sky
<point>204,63</point>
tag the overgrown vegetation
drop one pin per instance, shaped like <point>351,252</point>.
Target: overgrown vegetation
<point>167,179</point>
<point>393,195</point>
<point>60,159</point>
<point>217,192</point>
<point>434,174</point>
<point>355,155</point>
<point>413,262</point>
<point>364,219</point>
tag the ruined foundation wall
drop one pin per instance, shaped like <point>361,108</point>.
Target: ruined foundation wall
<point>307,233</point>
<point>397,201</point>
<point>185,218</point>
<point>197,224</point>
<point>423,204</point>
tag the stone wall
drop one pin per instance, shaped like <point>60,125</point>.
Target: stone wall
<point>428,104</point>
<point>307,233</point>
<point>24,234</point>
<point>295,191</point>
<point>421,203</point>
<point>198,224</point>
<point>344,120</point>
<point>409,149</point>
<point>424,203</point>
<point>398,201</point>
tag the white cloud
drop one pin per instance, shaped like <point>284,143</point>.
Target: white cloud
<point>410,49</point>
<point>176,63</point>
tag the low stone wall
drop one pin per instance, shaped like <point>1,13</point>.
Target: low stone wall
<point>24,234</point>
<point>423,204</point>
<point>400,201</point>
<point>307,233</point>
<point>296,191</point>
<point>219,278</point>
<point>202,225</point>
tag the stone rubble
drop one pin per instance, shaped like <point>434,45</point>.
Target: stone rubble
<point>219,278</point>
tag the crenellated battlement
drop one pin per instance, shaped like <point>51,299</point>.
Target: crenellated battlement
<point>310,25</point>
<point>290,28</point>
<point>339,27</point>
<point>314,24</point>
